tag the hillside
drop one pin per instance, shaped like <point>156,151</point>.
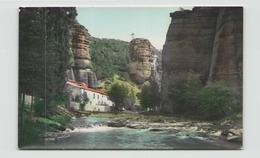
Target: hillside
<point>109,57</point>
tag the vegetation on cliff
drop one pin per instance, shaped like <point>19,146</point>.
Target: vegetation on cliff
<point>109,57</point>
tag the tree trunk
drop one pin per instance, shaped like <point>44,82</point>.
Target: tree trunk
<point>19,107</point>
<point>31,110</point>
<point>22,108</point>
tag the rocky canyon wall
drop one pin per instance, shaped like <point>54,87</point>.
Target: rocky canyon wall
<point>207,41</point>
<point>81,69</point>
<point>227,54</point>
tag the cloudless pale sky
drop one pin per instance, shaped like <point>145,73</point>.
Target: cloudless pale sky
<point>119,23</point>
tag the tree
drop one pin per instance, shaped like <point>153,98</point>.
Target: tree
<point>83,101</point>
<point>118,94</point>
<point>44,53</point>
<point>149,96</point>
<point>133,35</point>
<point>44,49</point>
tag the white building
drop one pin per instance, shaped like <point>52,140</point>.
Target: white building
<point>98,100</point>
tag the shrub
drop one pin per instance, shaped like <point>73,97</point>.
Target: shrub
<point>191,98</point>
<point>215,100</point>
<point>184,95</point>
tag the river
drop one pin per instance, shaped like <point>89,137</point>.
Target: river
<point>92,133</point>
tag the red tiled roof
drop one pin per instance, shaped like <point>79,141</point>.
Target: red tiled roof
<point>84,86</point>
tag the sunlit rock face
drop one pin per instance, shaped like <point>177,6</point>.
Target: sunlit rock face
<point>82,67</point>
<point>207,41</point>
<point>140,65</point>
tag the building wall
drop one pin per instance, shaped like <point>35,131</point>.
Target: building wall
<point>73,90</point>
<point>97,101</point>
<point>97,108</point>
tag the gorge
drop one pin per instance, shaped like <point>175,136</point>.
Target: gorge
<point>174,98</point>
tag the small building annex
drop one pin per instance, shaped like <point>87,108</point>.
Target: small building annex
<point>97,99</point>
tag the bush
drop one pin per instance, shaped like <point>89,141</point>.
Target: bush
<point>213,101</point>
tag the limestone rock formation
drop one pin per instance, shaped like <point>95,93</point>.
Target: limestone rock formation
<point>206,40</point>
<point>140,65</point>
<point>82,68</point>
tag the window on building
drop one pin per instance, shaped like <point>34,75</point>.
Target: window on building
<point>93,95</point>
<point>98,96</point>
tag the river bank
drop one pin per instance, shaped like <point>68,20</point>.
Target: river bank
<point>226,129</point>
<point>96,132</point>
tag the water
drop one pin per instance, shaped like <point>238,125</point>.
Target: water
<point>96,135</point>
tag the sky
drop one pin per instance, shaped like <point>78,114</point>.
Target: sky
<point>120,23</point>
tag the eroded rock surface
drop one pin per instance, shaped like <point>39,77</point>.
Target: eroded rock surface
<point>140,65</point>
<point>207,41</point>
<point>81,70</point>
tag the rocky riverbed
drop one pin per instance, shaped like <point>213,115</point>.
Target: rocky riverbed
<point>221,132</point>
<point>225,130</point>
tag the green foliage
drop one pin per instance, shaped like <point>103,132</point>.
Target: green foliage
<point>118,94</point>
<point>109,57</point>
<point>61,120</point>
<point>213,101</point>
<point>30,133</point>
<point>47,121</point>
<point>44,49</point>
<point>83,101</point>
<point>44,106</point>
<point>122,92</point>
<point>149,96</point>
<point>185,95</point>
<point>44,57</point>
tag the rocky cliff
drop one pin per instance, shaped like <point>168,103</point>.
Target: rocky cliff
<point>227,54</point>
<point>140,64</point>
<point>81,70</point>
<point>207,41</point>
<point>145,63</point>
